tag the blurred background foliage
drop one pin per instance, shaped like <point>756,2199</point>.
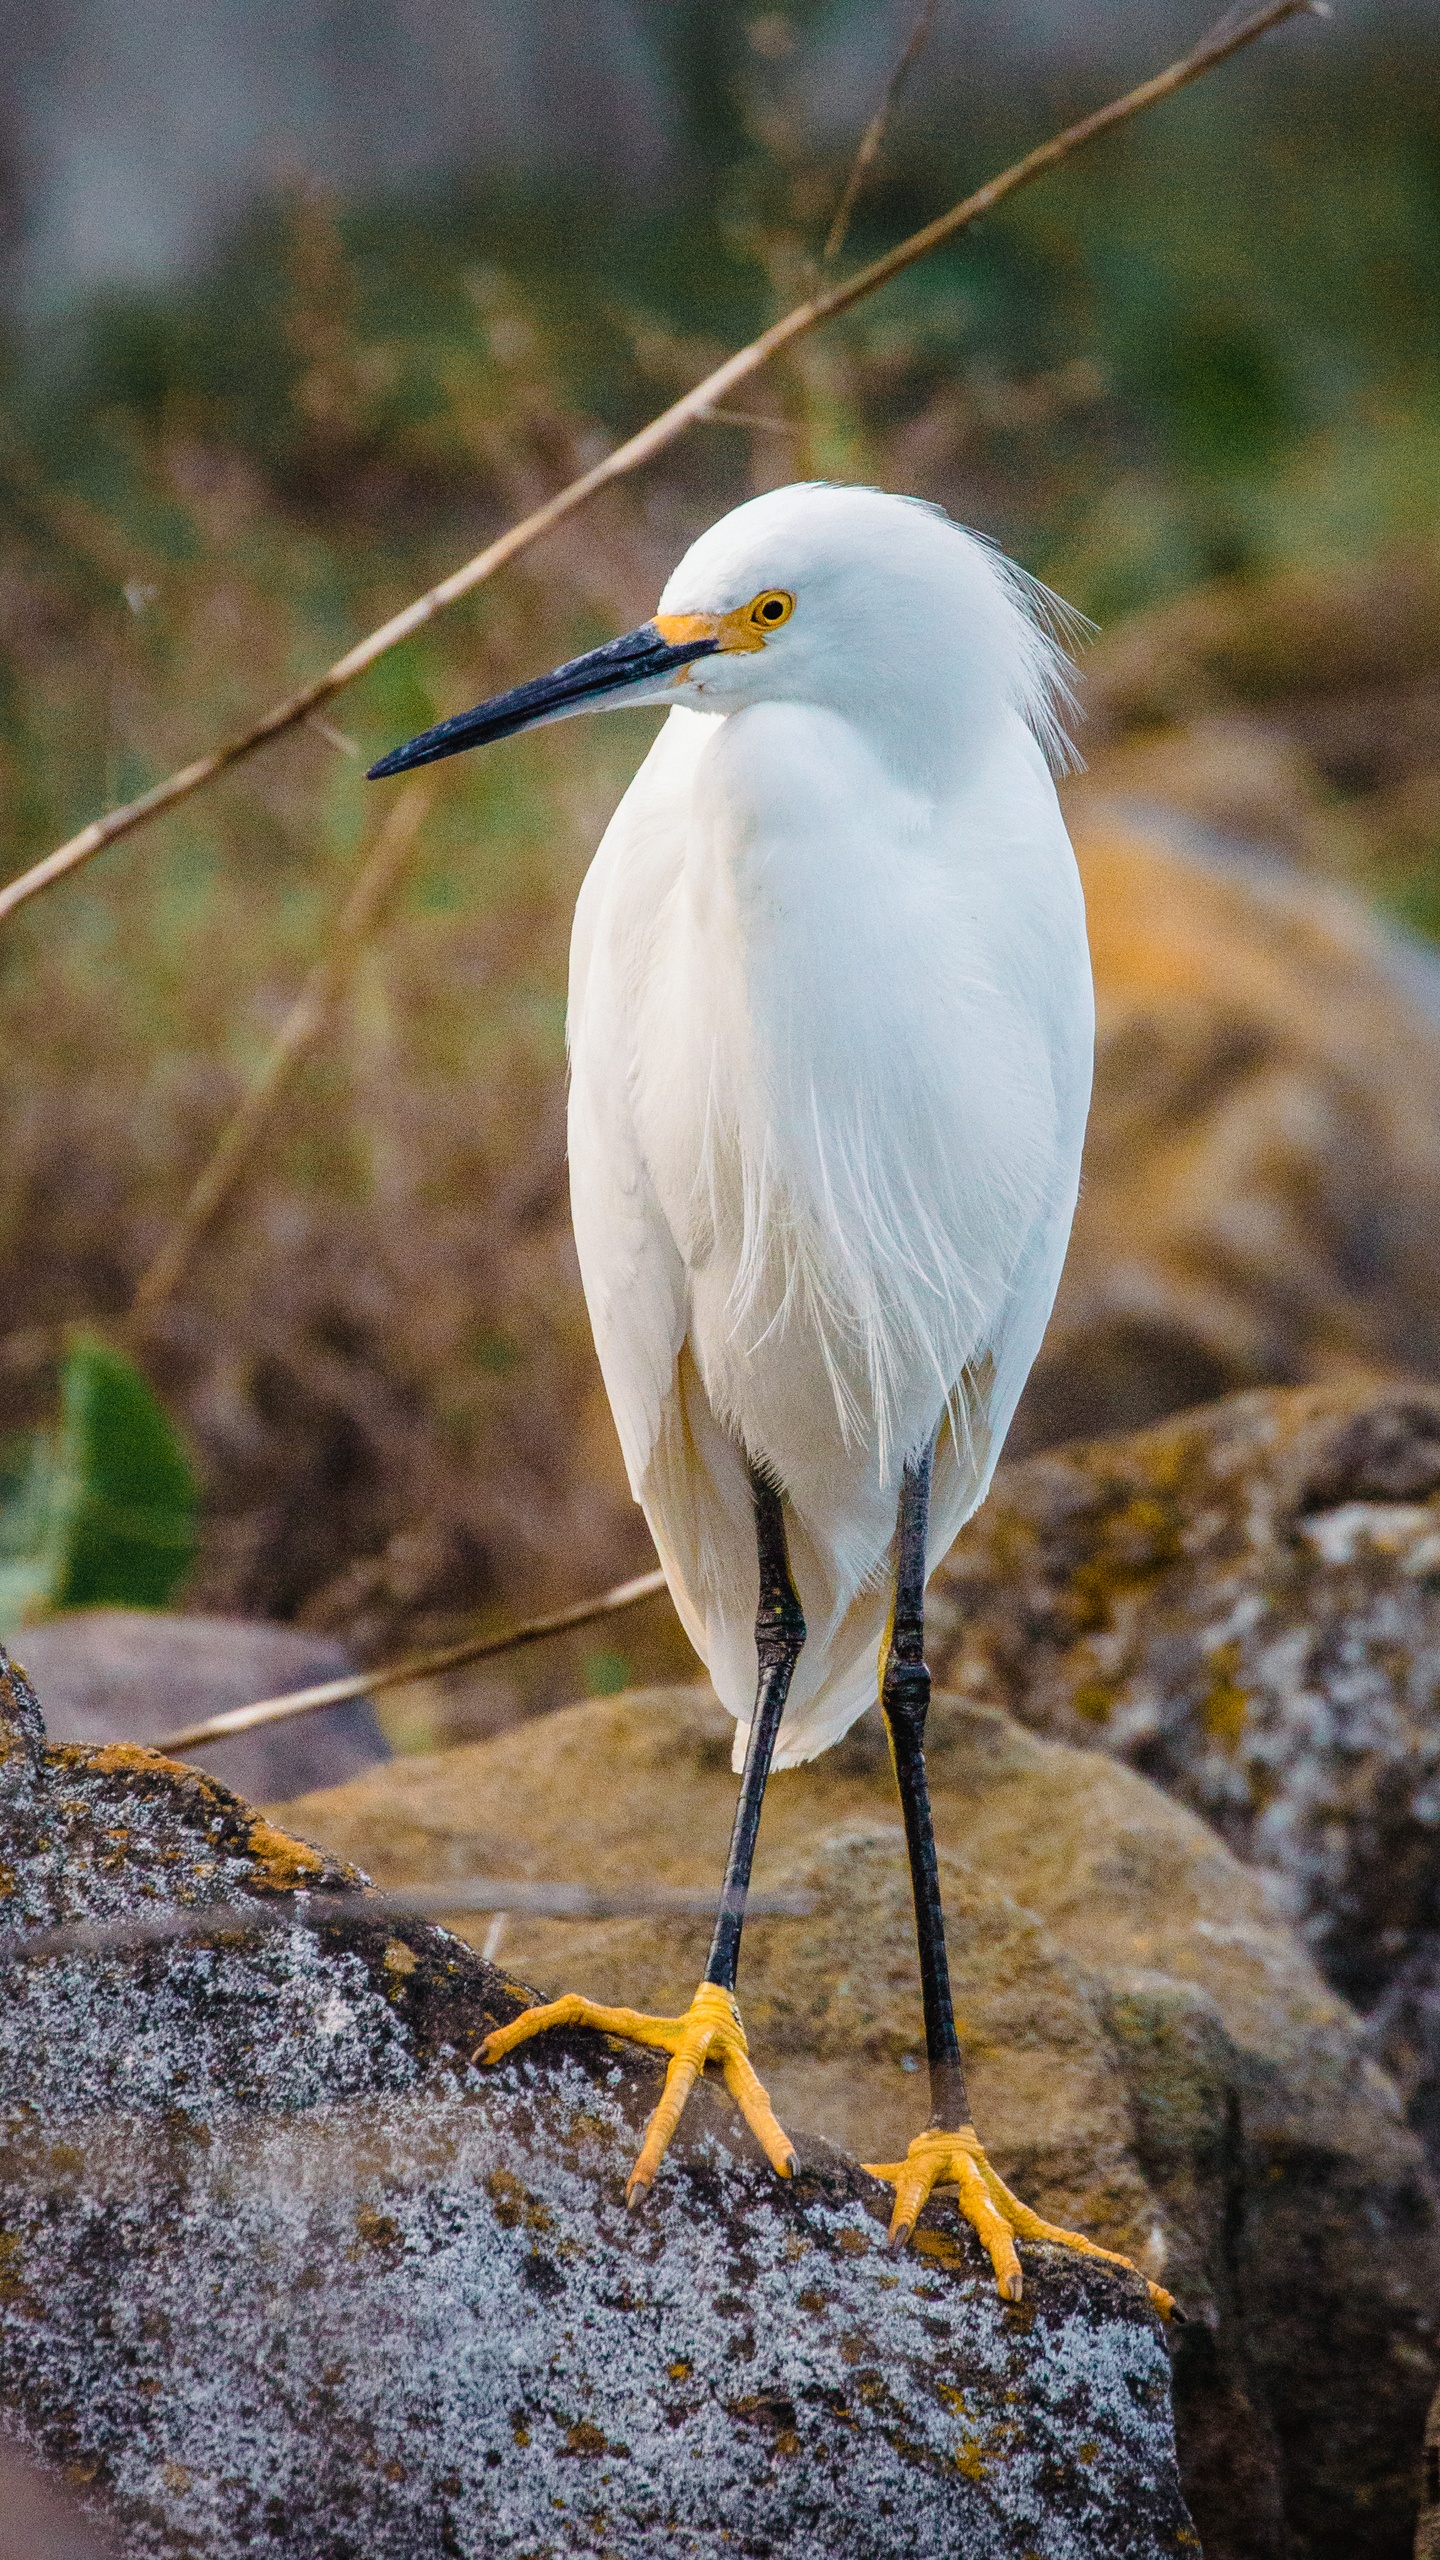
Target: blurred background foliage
<point>101,1511</point>
<point>1208,352</point>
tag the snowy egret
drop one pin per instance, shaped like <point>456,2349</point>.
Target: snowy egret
<point>830,1032</point>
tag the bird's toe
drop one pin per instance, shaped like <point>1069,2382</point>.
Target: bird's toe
<point>939,2158</point>
<point>753,2100</point>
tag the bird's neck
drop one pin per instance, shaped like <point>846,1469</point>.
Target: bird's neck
<point>805,860</point>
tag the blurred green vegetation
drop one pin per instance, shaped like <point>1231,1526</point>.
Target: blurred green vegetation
<point>1251,269</point>
<point>1211,348</point>
<point>101,1509</point>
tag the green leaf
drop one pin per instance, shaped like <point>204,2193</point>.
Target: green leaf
<point>104,1512</point>
<point>127,1493</point>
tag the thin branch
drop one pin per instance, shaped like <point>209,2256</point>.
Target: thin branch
<point>874,133</point>
<point>662,432</point>
<point>326,983</point>
<point>404,1902</point>
<point>420,1666</point>
<point>332,736</point>
<point>746,418</point>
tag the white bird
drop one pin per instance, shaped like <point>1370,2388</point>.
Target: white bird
<point>830,1030</point>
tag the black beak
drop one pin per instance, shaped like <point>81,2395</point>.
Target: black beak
<point>632,660</point>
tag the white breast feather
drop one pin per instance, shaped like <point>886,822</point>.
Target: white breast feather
<point>830,1068</point>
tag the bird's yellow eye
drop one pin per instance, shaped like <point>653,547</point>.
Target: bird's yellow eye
<point>746,626</point>
<point>769,610</point>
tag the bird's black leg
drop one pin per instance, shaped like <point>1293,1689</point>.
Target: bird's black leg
<point>905,1700</point>
<point>710,2031</point>
<point>779,1635</point>
<point>948,2152</point>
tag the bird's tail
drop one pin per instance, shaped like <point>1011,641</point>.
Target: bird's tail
<point>698,1503</point>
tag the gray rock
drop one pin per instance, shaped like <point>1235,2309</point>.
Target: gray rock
<point>1244,1603</point>
<point>281,2272</point>
<point>1427,2531</point>
<point>1151,2055</point>
<point>131,1675</point>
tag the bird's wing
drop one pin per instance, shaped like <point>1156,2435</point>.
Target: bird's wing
<point>685,1472</point>
<point>630,1264</point>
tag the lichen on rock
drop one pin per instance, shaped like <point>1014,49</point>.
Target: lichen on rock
<point>1152,2056</point>
<point>280,2270</point>
<point>1244,1603</point>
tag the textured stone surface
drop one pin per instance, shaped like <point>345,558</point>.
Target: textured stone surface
<point>1299,708</point>
<point>280,2272</point>
<point>1153,2057</point>
<point>1262,1170</point>
<point>1427,2531</point>
<point>1245,1603</point>
<point>130,1675</point>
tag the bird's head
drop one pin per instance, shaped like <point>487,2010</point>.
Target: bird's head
<point>876,607</point>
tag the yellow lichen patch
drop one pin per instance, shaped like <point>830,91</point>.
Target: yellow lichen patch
<point>971,2460</point>
<point>508,2197</point>
<point>1225,1705</point>
<point>399,1959</point>
<point>514,2203</point>
<point>1140,1540</point>
<point>377,2230</point>
<point>120,1759</point>
<point>12,1714</point>
<point>939,2247</point>
<point>1094,1700</point>
<point>284,1862</point>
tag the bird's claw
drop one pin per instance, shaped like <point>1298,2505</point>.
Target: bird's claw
<point>710,2031</point>
<point>940,2159</point>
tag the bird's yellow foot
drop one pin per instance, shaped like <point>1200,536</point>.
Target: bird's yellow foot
<point>710,2031</point>
<point>937,2159</point>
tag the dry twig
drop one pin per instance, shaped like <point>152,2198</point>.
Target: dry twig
<point>874,133</point>
<point>407,1901</point>
<point>307,1018</point>
<point>1217,47</point>
<point>419,1666</point>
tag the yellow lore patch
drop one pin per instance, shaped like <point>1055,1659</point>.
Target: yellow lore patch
<point>748,627</point>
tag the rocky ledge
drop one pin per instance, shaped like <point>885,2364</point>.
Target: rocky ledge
<point>1152,2057</point>
<point>1244,1603</point>
<point>281,2272</point>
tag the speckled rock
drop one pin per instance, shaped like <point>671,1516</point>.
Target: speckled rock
<point>1427,2531</point>
<point>1153,2057</point>
<point>1245,1604</point>
<point>280,2272</point>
